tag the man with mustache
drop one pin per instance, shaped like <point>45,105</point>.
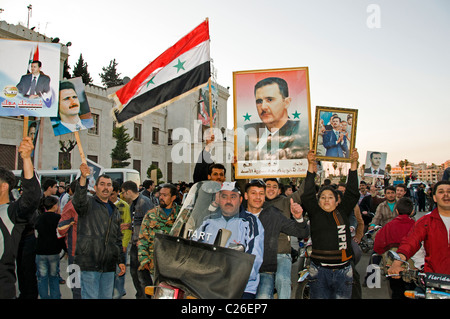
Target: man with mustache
<point>277,136</point>
<point>247,231</point>
<point>99,237</point>
<point>69,109</point>
<point>158,219</point>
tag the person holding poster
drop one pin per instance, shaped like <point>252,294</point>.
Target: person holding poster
<point>68,119</point>
<point>34,84</point>
<point>15,215</point>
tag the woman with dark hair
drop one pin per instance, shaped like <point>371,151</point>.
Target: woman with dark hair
<point>330,270</point>
<point>48,248</point>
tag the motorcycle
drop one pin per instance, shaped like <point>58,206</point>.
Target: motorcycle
<point>302,288</point>
<point>429,285</point>
<point>191,262</point>
<point>368,239</point>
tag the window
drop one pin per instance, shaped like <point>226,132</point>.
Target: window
<point>64,160</point>
<point>169,172</point>
<point>169,136</point>
<point>137,165</point>
<point>155,135</point>
<point>93,158</point>
<point>94,130</point>
<point>137,132</point>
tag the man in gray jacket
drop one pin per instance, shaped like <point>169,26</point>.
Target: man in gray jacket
<point>284,261</point>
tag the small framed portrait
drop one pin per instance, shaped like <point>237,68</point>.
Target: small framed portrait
<point>375,164</point>
<point>272,122</point>
<point>334,133</point>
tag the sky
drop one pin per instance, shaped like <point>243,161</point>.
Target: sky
<point>387,58</point>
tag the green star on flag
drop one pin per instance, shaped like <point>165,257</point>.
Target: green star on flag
<point>296,115</point>
<point>150,82</point>
<point>247,117</point>
<point>179,65</point>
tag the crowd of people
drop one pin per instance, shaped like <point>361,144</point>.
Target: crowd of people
<point>100,230</point>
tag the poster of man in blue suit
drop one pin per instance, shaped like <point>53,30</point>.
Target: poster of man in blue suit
<point>334,136</point>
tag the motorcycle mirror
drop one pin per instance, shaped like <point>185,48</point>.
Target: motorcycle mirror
<point>392,254</point>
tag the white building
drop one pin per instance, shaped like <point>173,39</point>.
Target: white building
<point>170,138</point>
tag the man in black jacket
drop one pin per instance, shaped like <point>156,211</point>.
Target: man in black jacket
<point>99,238</point>
<point>14,216</point>
<point>274,223</point>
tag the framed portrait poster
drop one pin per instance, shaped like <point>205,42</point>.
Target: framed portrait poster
<point>272,122</point>
<point>334,133</point>
<point>375,164</point>
<point>29,78</point>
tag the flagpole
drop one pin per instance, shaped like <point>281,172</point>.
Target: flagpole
<point>210,105</point>
<point>80,148</point>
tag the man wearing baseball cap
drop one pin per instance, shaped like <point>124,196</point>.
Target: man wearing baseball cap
<point>246,230</point>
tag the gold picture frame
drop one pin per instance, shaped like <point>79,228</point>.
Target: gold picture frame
<point>332,141</point>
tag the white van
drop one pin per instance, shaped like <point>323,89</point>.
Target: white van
<point>68,175</point>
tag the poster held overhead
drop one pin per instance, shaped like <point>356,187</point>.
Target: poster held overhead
<point>272,122</point>
<point>334,133</point>
<point>35,92</point>
<point>74,114</point>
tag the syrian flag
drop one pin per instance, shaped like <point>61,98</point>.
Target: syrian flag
<point>179,71</point>
<point>34,56</point>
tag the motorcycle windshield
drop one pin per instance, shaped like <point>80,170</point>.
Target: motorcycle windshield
<point>202,270</point>
<point>215,244</point>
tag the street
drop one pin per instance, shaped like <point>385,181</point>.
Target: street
<point>367,293</point>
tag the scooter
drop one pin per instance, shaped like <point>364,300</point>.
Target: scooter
<point>430,285</point>
<point>302,289</point>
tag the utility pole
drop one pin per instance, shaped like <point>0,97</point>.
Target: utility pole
<point>29,15</point>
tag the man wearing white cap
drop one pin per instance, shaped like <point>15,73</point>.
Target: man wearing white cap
<point>246,230</point>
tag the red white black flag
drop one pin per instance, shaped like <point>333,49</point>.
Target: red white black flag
<point>180,70</point>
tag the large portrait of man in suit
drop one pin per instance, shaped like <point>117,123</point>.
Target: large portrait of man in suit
<point>334,133</point>
<point>29,78</point>
<point>273,129</point>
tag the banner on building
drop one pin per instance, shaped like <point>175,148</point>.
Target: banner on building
<point>179,71</point>
<point>29,78</point>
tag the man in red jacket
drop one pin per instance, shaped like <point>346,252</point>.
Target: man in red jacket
<point>391,235</point>
<point>433,230</point>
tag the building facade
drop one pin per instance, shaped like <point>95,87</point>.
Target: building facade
<point>170,138</point>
